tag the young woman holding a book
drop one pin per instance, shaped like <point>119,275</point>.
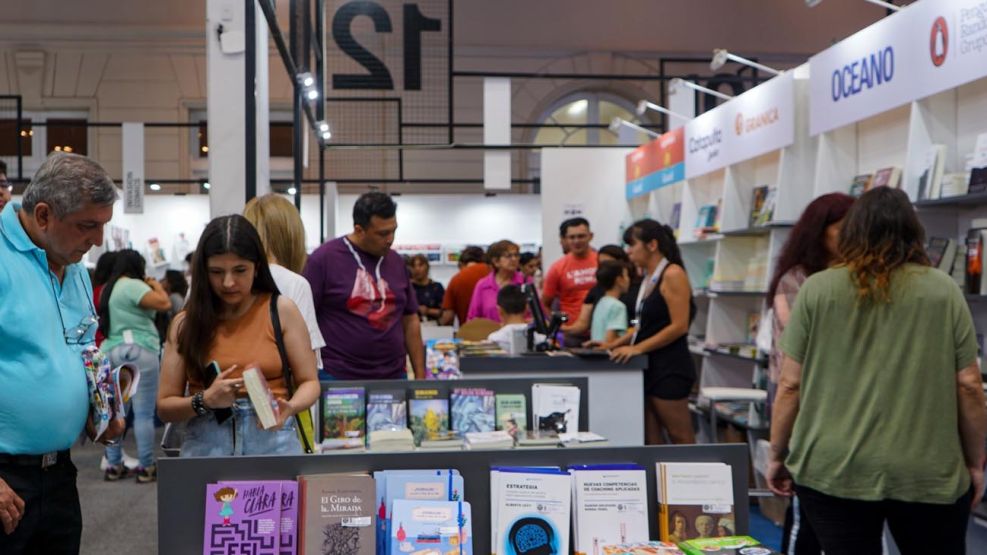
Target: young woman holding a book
<point>879,416</point>
<point>811,247</point>
<point>664,311</point>
<point>228,319</point>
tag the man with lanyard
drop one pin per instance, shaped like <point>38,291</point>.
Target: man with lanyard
<point>47,319</point>
<point>364,299</point>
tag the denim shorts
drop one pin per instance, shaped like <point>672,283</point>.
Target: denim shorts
<point>239,435</point>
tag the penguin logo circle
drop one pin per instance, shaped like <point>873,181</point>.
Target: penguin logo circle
<point>738,124</point>
<point>939,41</point>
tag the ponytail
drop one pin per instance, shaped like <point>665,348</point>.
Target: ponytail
<point>649,230</point>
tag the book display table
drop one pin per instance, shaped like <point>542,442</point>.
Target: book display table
<point>182,488</point>
<point>616,391</point>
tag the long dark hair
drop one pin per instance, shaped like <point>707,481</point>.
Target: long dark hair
<point>805,246</point>
<point>126,263</point>
<point>649,230</point>
<point>224,235</point>
<point>881,234</point>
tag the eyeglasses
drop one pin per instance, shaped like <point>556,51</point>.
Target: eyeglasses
<point>84,333</point>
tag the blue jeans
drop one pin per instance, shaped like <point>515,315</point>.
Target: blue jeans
<point>240,435</point>
<point>142,403</point>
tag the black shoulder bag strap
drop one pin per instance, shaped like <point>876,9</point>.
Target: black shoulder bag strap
<point>289,379</point>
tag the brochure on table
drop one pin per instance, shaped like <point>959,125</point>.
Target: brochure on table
<point>931,46</point>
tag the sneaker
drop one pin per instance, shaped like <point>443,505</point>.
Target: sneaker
<point>130,462</point>
<point>147,475</point>
<point>115,473</point>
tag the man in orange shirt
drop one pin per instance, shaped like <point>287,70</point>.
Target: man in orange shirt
<point>459,293</point>
<point>573,275</point>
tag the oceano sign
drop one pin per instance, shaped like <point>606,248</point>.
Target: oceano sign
<point>864,74</point>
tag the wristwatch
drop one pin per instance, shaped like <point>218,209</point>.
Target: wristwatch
<point>199,404</point>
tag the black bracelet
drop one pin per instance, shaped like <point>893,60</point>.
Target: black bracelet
<point>199,404</point>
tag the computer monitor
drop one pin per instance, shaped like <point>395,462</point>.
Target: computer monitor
<point>537,310</point>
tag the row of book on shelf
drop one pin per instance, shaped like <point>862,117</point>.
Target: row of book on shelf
<point>763,201</point>
<point>599,510</point>
<point>468,417</point>
<point>934,183</point>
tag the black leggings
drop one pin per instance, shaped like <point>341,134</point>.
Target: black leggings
<point>852,527</point>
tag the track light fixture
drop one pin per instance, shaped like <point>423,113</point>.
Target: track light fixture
<point>643,106</point>
<point>324,131</point>
<point>617,123</point>
<point>677,82</point>
<point>306,79</point>
<point>882,3</point>
<point>292,191</point>
<point>721,55</point>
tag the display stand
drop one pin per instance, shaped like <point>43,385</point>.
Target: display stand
<point>182,482</point>
<point>610,385</point>
<point>514,385</point>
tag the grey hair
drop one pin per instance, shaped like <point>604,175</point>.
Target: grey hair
<point>66,182</point>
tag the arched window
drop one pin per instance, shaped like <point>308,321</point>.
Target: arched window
<point>581,109</point>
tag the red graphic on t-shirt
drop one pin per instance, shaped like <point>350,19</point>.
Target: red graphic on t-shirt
<point>372,300</point>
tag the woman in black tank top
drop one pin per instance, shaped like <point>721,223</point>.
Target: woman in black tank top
<point>664,311</point>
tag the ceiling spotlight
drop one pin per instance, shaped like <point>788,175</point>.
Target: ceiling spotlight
<point>323,126</point>
<point>206,186</point>
<point>292,191</point>
<point>155,187</point>
<point>306,79</point>
<point>312,94</point>
<point>677,82</point>
<point>326,135</point>
<point>617,123</point>
<point>643,106</point>
<point>882,3</point>
<point>721,56</point>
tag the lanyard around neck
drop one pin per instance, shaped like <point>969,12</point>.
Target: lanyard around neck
<point>359,263</point>
<point>647,288</point>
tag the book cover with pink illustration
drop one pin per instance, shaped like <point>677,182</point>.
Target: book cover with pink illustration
<point>243,517</point>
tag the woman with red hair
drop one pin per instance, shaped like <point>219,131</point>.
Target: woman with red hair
<point>811,247</point>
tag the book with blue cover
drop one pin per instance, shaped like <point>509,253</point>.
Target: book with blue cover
<point>425,485</point>
<point>473,410</point>
<point>431,528</point>
<point>386,410</point>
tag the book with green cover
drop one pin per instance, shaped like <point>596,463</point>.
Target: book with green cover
<point>729,545</point>
<point>429,412</point>
<point>512,413</point>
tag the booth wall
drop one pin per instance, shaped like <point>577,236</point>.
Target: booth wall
<point>586,180</point>
<point>445,219</point>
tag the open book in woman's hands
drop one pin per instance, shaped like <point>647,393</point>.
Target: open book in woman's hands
<point>109,389</point>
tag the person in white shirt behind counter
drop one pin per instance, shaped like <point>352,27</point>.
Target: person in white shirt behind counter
<point>512,305</point>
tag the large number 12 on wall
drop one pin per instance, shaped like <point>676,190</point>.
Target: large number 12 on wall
<point>378,76</point>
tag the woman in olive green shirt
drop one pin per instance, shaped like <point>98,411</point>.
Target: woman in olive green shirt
<point>880,414</point>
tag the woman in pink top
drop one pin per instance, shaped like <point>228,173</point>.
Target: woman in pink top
<point>505,257</point>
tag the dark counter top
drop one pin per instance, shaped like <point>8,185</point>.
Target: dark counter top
<point>544,363</point>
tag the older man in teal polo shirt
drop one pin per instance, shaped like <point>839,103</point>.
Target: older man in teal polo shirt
<point>46,319</point>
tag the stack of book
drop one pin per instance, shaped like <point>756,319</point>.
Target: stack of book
<point>252,517</point>
<point>473,410</point>
<point>537,439</point>
<point>337,514</point>
<point>489,440</point>
<point>583,439</point>
<point>443,441</point>
<point>391,441</point>
<point>406,500</point>
<point>727,545</point>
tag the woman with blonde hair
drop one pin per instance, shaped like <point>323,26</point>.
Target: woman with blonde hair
<point>283,235</point>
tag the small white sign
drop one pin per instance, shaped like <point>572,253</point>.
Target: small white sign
<point>929,47</point>
<point>133,168</point>
<point>757,122</point>
<point>573,210</point>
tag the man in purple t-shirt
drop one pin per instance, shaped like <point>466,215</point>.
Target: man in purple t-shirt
<point>364,299</point>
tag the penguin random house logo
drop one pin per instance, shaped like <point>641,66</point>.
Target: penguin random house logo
<point>939,41</point>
